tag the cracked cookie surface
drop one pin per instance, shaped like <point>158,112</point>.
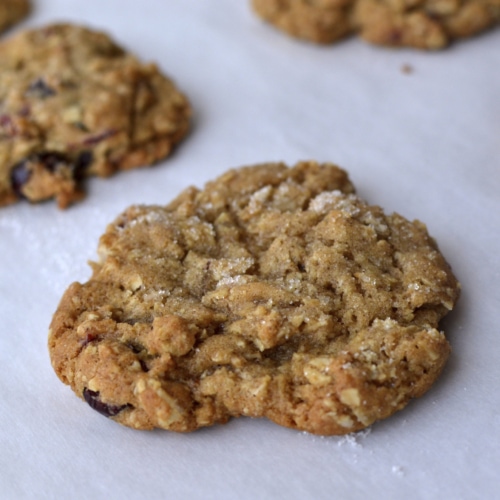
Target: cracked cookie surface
<point>422,24</point>
<point>12,11</point>
<point>273,292</point>
<point>73,104</point>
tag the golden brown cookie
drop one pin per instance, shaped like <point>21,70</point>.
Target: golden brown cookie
<point>272,292</point>
<point>320,21</point>
<point>74,104</point>
<point>12,11</point>
<point>423,24</point>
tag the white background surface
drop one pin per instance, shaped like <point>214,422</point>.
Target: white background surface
<point>424,144</point>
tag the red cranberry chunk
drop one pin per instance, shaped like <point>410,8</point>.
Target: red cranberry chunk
<point>19,176</point>
<point>40,89</point>
<point>92,398</point>
<point>81,164</point>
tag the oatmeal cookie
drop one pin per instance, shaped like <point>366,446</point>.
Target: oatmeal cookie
<point>12,11</point>
<point>423,24</point>
<point>273,292</point>
<point>319,21</point>
<point>73,104</point>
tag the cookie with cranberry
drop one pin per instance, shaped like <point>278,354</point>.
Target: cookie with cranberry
<point>423,24</point>
<point>273,292</point>
<point>12,11</point>
<point>74,104</point>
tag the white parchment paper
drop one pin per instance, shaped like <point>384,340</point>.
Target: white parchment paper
<point>424,143</point>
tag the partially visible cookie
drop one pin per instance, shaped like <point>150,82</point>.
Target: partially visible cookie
<point>272,292</point>
<point>12,11</point>
<point>73,104</point>
<point>423,24</point>
<point>319,21</point>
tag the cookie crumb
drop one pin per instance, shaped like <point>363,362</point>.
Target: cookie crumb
<point>355,439</point>
<point>407,69</point>
<point>398,470</point>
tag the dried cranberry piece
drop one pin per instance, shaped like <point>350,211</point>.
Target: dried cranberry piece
<point>136,350</point>
<point>92,398</point>
<point>8,127</point>
<point>90,337</point>
<point>97,138</point>
<point>83,160</point>
<point>19,176</point>
<point>50,161</point>
<point>39,88</point>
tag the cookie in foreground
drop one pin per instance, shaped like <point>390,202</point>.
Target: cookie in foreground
<point>12,11</point>
<point>422,24</point>
<point>273,292</point>
<point>76,104</point>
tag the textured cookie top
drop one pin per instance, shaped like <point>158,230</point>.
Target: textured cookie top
<point>273,292</point>
<point>12,11</point>
<point>423,24</point>
<point>73,103</point>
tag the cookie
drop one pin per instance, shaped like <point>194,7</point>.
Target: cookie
<point>319,21</point>
<point>74,104</point>
<point>422,24</point>
<point>12,11</point>
<point>273,292</point>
